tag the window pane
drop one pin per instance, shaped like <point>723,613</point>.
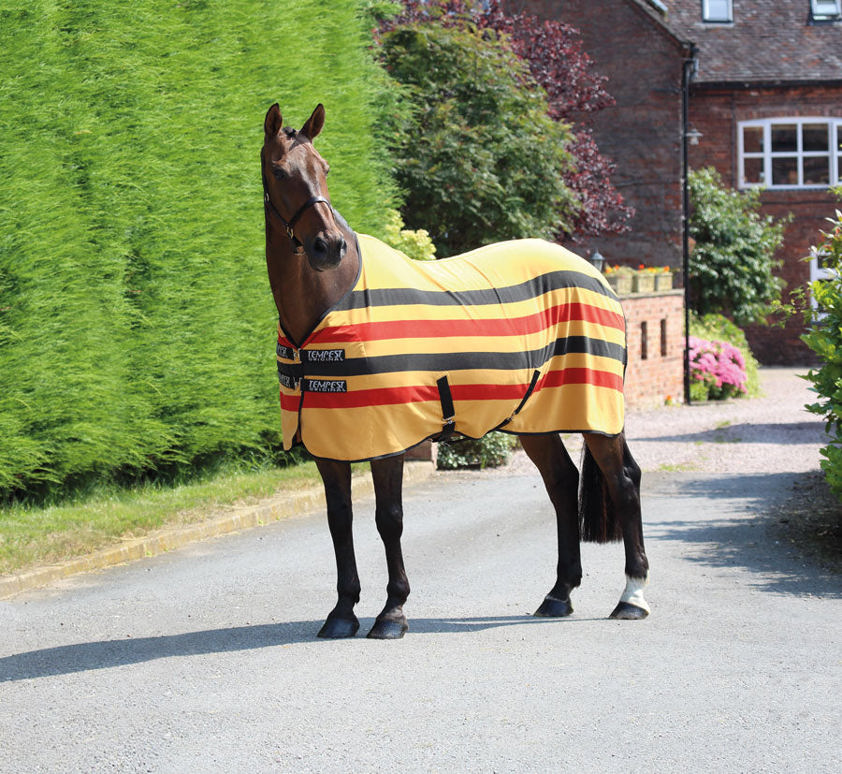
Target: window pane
<point>824,260</point>
<point>784,137</point>
<point>814,137</point>
<point>826,7</point>
<point>784,171</point>
<point>753,139</point>
<point>717,10</point>
<point>753,171</point>
<point>817,170</point>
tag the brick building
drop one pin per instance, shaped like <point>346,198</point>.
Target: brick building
<point>761,82</point>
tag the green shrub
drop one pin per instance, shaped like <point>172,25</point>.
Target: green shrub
<point>824,337</point>
<point>136,322</point>
<point>732,262</point>
<point>477,155</point>
<point>490,451</point>
<point>414,243</point>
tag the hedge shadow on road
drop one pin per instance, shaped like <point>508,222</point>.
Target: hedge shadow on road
<point>736,522</point>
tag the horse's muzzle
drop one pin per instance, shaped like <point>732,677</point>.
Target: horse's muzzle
<point>325,252</point>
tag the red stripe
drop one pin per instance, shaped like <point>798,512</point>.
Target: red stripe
<point>289,402</point>
<point>387,396</point>
<point>582,376</point>
<point>419,328</point>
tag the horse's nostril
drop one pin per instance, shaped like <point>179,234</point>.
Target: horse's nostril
<point>319,245</point>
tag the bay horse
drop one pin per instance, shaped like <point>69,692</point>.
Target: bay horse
<point>341,323</point>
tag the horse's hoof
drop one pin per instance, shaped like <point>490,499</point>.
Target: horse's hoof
<point>554,608</point>
<point>388,629</point>
<point>628,612</point>
<point>336,628</point>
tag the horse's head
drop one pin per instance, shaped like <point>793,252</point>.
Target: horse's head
<point>295,188</point>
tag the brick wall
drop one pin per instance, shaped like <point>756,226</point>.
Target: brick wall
<point>641,133</point>
<point>655,333</point>
<point>716,113</point>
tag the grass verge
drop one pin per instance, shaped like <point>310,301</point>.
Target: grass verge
<point>31,535</point>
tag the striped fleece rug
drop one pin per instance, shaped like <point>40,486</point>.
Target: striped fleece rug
<point>521,336</point>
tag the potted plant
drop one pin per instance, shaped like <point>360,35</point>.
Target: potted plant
<point>663,279</point>
<point>644,279</point>
<point>620,278</point>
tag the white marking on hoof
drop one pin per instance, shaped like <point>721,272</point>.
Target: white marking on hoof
<point>633,594</point>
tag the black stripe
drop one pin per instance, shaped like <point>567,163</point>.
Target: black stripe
<point>524,291</point>
<point>460,361</point>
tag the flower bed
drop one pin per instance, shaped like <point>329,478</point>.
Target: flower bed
<point>717,370</point>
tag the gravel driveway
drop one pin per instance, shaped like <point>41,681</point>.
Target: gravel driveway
<point>770,434</point>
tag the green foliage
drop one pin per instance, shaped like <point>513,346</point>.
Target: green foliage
<point>490,451</point>
<point>717,327</point>
<point>414,243</point>
<point>824,337</point>
<point>136,323</point>
<point>732,263</point>
<point>477,155</point>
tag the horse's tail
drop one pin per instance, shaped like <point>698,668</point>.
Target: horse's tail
<point>599,521</point>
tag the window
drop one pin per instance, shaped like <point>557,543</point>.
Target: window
<point>717,11</point>
<point>790,152</point>
<point>824,10</point>
<point>819,271</point>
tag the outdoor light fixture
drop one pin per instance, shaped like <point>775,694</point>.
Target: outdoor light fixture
<point>597,260</point>
<point>693,135</point>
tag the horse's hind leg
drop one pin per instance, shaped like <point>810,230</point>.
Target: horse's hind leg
<point>621,476</point>
<point>561,480</point>
<point>337,481</point>
<point>388,477</point>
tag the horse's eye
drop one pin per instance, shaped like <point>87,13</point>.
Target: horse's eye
<point>327,170</point>
<point>279,173</point>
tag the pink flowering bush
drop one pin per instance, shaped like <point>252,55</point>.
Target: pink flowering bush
<point>717,370</point>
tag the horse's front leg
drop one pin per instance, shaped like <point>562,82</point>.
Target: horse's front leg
<point>337,482</point>
<point>388,477</point>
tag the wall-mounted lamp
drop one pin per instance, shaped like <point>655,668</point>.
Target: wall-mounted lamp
<point>597,260</point>
<point>693,135</point>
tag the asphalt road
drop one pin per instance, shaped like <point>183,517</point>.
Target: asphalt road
<point>206,659</point>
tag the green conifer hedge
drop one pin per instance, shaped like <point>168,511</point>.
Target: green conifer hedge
<point>136,323</point>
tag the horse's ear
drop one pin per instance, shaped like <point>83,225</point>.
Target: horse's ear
<point>315,122</point>
<point>274,121</point>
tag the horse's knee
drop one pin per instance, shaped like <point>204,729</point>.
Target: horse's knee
<point>389,521</point>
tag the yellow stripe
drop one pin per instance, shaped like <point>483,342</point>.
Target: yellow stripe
<point>515,309</point>
<point>490,344</point>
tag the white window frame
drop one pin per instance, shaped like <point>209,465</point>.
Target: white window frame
<point>824,10</point>
<point>834,152</point>
<point>818,272</point>
<point>707,17</point>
